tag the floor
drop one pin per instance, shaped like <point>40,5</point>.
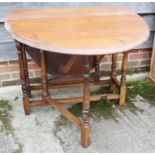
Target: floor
<point>45,130</point>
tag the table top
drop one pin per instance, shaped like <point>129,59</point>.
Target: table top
<point>78,31</point>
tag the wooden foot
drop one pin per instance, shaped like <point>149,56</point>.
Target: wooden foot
<point>123,79</point>
<point>122,96</point>
<point>23,77</point>
<point>85,126</point>
<point>27,108</point>
<point>85,134</point>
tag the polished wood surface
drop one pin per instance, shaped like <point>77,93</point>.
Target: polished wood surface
<point>60,64</point>
<point>79,31</point>
<point>123,79</point>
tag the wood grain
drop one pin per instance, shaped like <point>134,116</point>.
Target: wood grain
<point>72,118</point>
<point>80,31</point>
<point>123,79</point>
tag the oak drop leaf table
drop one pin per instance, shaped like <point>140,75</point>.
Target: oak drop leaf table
<point>68,43</point>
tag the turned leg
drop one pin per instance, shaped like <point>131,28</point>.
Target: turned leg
<point>97,68</point>
<point>26,102</point>
<point>44,75</point>
<point>113,71</point>
<point>26,70</point>
<point>123,79</point>
<point>85,127</point>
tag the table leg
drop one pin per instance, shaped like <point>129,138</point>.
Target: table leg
<point>113,71</point>
<point>85,127</point>
<point>26,102</point>
<point>97,68</point>
<point>123,79</point>
<point>44,75</point>
<point>26,70</point>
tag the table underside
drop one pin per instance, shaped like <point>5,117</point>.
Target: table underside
<point>71,71</point>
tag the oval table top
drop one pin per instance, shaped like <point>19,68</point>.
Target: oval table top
<point>78,31</point>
